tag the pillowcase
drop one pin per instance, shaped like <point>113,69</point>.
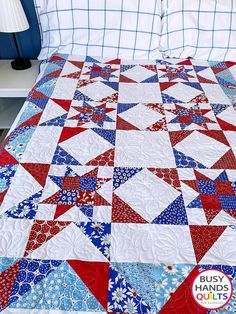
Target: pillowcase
<point>102,28</point>
<point>201,29</point>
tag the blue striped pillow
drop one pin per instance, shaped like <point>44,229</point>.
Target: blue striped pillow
<point>103,28</point>
<point>201,29</point>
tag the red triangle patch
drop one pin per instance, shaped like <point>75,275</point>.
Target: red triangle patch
<point>75,75</point>
<point>105,159</point>
<point>100,201</point>
<point>225,125</point>
<point>181,301</point>
<point>52,199</point>
<point>227,161</point>
<point>165,85</point>
<point>70,132</point>
<point>7,159</point>
<point>95,276</point>
<point>115,61</point>
<point>54,73</point>
<point>78,64</point>
<point>192,184</point>
<point>216,135</point>
<point>64,104</point>
<point>203,237</point>
<point>61,210</point>
<point>170,176</point>
<point>33,121</point>
<point>178,136</point>
<point>232,213</point>
<point>204,80</point>
<point>185,62</point>
<point>211,213</point>
<point>42,231</point>
<point>7,280</point>
<point>2,195</point>
<point>37,95</point>
<point>123,213</point>
<point>200,176</point>
<point>124,79</point>
<point>121,124</point>
<point>38,171</point>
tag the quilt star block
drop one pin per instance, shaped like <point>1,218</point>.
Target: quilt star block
<point>190,117</point>
<point>77,190</point>
<point>100,72</point>
<point>213,191</point>
<point>176,73</point>
<point>91,114</point>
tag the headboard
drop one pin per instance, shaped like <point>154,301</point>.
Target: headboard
<point>29,41</point>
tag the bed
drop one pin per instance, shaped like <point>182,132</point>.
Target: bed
<point>118,187</point>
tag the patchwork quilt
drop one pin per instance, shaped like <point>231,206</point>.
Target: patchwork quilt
<point>118,186</point>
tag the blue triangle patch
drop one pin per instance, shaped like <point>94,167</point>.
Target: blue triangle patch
<point>218,108</point>
<point>124,107</point>
<point>113,85</point>
<point>57,180</point>
<point>87,210</point>
<point>196,203</point>
<point>174,214</point>
<point>169,99</point>
<point>120,283</point>
<point>124,68</point>
<point>194,85</point>
<point>222,177</point>
<point>61,157</point>
<point>26,209</point>
<point>183,161</point>
<point>58,121</point>
<point>97,233</point>
<point>109,135</point>
<point>198,68</point>
<point>122,175</point>
<point>90,59</point>
<point>80,96</point>
<point>152,79</point>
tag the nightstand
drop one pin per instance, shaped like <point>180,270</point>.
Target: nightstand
<point>14,88</point>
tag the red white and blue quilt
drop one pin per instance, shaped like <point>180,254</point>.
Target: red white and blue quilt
<point>118,186</point>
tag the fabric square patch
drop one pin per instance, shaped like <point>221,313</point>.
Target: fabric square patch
<point>89,114</point>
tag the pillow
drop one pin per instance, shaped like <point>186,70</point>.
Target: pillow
<point>200,29</point>
<point>105,28</point>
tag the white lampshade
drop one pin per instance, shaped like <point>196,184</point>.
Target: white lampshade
<point>12,17</point>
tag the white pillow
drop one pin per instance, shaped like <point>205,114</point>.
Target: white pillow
<point>106,28</point>
<point>201,29</point>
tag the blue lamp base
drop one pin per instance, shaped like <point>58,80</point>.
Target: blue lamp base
<point>21,64</point>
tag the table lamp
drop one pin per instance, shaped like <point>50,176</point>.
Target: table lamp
<point>13,20</point>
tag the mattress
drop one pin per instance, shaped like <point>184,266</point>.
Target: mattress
<point>117,187</point>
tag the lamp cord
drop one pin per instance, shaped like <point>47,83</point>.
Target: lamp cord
<point>16,45</point>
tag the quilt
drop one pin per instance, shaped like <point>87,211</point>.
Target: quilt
<point>118,186</point>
